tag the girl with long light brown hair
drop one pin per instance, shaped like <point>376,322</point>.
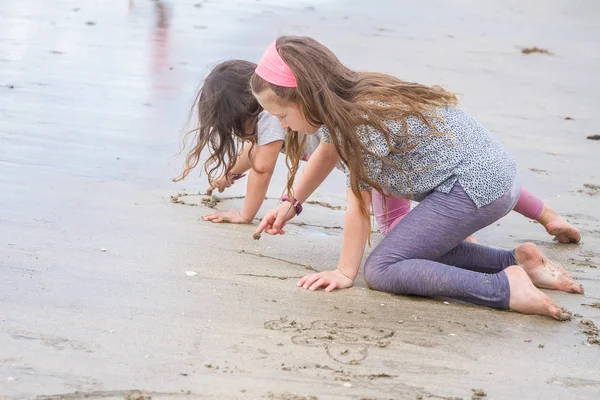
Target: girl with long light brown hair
<point>405,140</point>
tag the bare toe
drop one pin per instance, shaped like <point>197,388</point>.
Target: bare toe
<point>543,272</point>
<point>562,314</point>
<point>527,299</point>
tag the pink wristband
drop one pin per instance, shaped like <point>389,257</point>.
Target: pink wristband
<point>296,203</point>
<point>235,177</point>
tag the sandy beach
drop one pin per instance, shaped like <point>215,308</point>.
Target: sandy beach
<point>109,289</point>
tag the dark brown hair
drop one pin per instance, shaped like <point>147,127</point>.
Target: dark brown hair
<point>343,100</point>
<point>225,108</point>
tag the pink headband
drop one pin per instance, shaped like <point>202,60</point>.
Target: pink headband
<point>274,70</point>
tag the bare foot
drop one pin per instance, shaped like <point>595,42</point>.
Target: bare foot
<point>471,239</point>
<point>543,272</point>
<point>556,226</point>
<point>527,299</point>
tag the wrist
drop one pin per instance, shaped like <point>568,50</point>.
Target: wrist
<point>241,214</point>
<point>295,203</point>
<point>347,274</point>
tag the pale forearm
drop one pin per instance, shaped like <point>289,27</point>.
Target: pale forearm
<point>318,167</point>
<point>264,160</point>
<point>356,231</point>
<point>242,163</point>
<point>258,183</point>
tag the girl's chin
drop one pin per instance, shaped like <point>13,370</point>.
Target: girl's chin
<point>312,130</point>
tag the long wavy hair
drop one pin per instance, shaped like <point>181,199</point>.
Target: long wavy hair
<point>344,101</point>
<point>226,114</point>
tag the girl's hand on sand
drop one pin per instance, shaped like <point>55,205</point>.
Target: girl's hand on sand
<point>276,219</point>
<point>233,217</point>
<point>330,279</point>
<point>222,183</point>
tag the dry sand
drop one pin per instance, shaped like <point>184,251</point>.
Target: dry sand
<point>95,301</point>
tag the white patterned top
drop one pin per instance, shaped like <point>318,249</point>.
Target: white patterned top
<point>464,152</point>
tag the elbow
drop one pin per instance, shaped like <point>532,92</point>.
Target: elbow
<point>263,169</point>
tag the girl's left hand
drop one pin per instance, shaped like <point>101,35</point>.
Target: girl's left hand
<point>331,279</point>
<point>233,217</point>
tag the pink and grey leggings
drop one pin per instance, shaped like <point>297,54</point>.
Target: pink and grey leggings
<point>528,205</point>
<point>424,253</point>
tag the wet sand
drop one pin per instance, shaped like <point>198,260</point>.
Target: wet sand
<point>95,298</point>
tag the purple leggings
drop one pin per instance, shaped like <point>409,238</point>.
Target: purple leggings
<point>425,255</point>
<point>528,205</point>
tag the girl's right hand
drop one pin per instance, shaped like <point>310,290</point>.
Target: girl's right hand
<point>276,219</point>
<point>222,183</point>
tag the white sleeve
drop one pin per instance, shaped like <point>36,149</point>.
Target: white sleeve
<point>268,129</point>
